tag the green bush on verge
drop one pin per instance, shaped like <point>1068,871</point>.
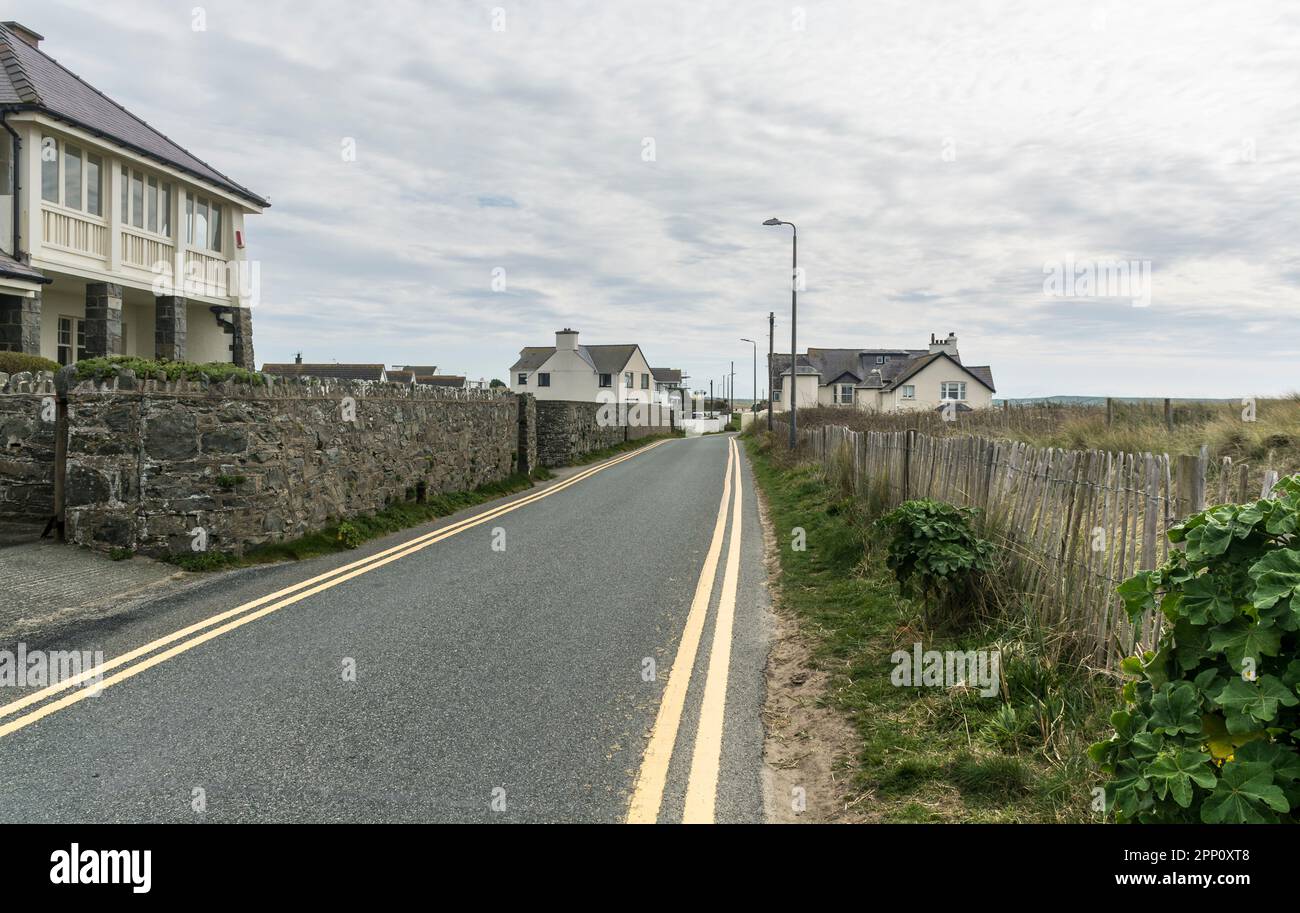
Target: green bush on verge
<point>1209,725</point>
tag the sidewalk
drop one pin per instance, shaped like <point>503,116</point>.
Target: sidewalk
<point>46,585</point>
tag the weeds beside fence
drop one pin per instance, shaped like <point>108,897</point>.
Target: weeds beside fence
<point>1072,524</point>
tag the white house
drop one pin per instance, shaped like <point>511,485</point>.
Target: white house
<point>884,380</point>
<point>113,238</point>
<point>580,373</point>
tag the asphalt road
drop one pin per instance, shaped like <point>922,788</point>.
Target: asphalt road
<point>506,683</point>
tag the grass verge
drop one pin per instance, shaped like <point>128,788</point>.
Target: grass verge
<point>348,534</point>
<point>926,754</point>
<point>597,455</point>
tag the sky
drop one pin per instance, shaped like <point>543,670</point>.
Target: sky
<point>452,181</point>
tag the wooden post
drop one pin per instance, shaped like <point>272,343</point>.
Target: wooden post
<point>909,441</point>
<point>1169,414</point>
<point>1110,411</point>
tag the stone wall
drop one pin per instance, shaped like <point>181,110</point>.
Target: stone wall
<point>150,462</point>
<point>27,446</point>
<point>568,430</point>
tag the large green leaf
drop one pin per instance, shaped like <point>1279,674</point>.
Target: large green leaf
<point>1242,639</point>
<point>1208,540</point>
<point>1276,576</point>
<point>1173,773</point>
<point>1176,708</point>
<point>1245,794</point>
<point>1207,598</point>
<point>1250,706</point>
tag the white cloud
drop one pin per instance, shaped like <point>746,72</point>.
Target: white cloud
<point>1163,131</point>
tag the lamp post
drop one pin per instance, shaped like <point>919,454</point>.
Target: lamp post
<point>754,405</point>
<point>794,325</point>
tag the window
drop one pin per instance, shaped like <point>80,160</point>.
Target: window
<point>909,391</point>
<point>543,379</point>
<point>952,389</point>
<point>523,379</point>
<point>126,197</point>
<point>776,396</point>
<point>137,199</point>
<point>607,380</point>
<point>166,215</point>
<point>645,381</point>
<point>49,170</point>
<point>69,330</point>
<point>628,380</point>
<point>203,218</point>
<point>71,177</point>
<point>843,394</point>
<point>880,359</point>
<point>151,204</point>
<point>94,185</point>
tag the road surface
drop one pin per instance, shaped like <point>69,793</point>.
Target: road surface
<point>591,650</point>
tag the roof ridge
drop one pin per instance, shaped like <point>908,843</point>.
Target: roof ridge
<point>36,99</point>
<point>18,77</point>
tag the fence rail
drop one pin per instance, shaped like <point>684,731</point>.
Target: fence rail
<point>1073,523</point>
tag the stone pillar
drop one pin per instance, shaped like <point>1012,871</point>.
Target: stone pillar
<point>103,322</point>
<point>169,327</point>
<point>20,324</point>
<point>241,346</point>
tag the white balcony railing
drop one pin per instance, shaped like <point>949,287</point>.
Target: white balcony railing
<point>146,252</point>
<point>73,232</point>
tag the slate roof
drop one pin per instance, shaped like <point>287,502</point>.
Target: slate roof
<point>667,375</point>
<point>12,269</point>
<point>441,380</point>
<point>31,80</point>
<point>603,359</point>
<point>329,371</point>
<point>858,366</point>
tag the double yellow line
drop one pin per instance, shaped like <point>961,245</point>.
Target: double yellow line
<point>265,605</point>
<point>702,785</point>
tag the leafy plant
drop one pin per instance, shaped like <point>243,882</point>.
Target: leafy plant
<point>350,535</point>
<point>16,362</point>
<point>104,368</point>
<point>1209,725</point>
<point>935,556</point>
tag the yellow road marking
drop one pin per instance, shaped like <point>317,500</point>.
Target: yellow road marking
<point>648,795</point>
<point>702,787</point>
<point>339,575</point>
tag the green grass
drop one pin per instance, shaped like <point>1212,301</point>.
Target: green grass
<point>927,754</point>
<point>348,534</point>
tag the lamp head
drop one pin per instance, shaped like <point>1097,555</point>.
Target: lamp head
<point>772,222</point>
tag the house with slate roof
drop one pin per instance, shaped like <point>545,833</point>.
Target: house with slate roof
<point>582,373</point>
<point>114,239</point>
<point>884,380</point>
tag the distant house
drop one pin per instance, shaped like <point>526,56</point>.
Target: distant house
<point>569,371</point>
<point>333,371</point>
<point>115,239</point>
<point>884,380</point>
<point>668,386</point>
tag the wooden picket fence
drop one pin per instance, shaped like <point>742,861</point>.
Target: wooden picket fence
<point>1073,524</point>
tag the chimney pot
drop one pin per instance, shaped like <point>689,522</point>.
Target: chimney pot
<point>26,35</point>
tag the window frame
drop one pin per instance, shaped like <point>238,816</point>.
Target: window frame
<point>521,379</point>
<point>543,378</point>
<point>55,175</point>
<point>605,381</point>
<point>907,391</point>
<point>645,381</point>
<point>961,390</point>
<point>839,395</point>
<point>76,338</point>
<point>629,380</point>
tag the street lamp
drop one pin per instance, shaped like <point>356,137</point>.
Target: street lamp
<point>754,406</point>
<point>794,318</point>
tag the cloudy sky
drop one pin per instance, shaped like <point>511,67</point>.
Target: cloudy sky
<point>616,161</point>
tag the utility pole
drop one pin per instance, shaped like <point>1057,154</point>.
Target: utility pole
<point>731,389</point>
<point>771,351</point>
<point>710,395</point>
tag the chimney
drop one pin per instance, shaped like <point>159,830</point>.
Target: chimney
<point>567,339</point>
<point>26,35</point>
<point>297,359</point>
<point>948,345</point>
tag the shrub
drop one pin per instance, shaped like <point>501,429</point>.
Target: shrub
<point>936,557</point>
<point>350,534</point>
<point>15,362</point>
<point>104,368</point>
<point>1209,725</point>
